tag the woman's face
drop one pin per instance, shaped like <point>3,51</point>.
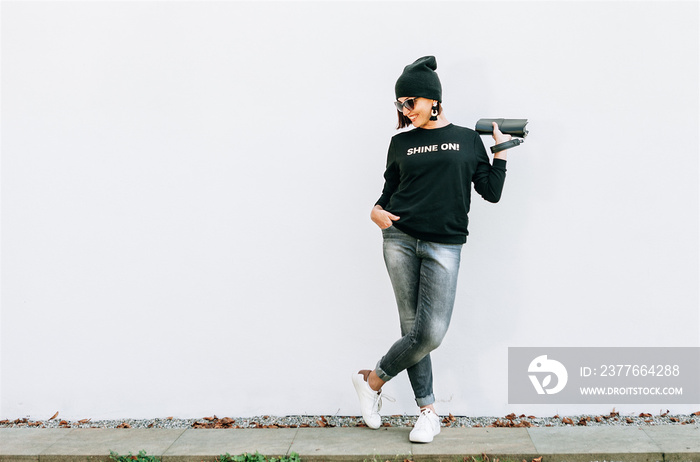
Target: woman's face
<point>420,114</point>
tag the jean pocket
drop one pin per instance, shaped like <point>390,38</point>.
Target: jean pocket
<point>391,230</point>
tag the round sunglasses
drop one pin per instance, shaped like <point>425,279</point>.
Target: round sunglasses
<point>409,104</point>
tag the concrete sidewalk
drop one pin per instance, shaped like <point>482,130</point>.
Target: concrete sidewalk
<point>570,444</point>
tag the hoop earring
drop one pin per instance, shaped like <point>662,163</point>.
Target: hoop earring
<point>434,112</point>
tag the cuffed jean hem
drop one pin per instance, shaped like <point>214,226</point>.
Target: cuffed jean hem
<point>381,374</point>
<point>425,401</point>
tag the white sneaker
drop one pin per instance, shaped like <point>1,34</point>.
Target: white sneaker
<point>427,426</point>
<point>370,401</point>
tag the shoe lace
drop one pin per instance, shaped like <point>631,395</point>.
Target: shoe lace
<point>381,395</point>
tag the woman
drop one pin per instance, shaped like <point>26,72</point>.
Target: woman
<point>423,216</point>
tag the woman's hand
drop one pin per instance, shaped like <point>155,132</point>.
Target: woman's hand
<point>382,218</point>
<point>499,138</point>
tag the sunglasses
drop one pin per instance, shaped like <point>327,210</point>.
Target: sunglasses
<point>409,104</point>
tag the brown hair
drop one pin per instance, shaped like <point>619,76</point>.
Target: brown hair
<point>405,121</point>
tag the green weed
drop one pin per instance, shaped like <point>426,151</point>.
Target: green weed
<point>142,457</point>
<point>246,457</point>
<point>257,457</point>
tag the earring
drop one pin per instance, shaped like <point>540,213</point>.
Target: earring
<point>434,112</point>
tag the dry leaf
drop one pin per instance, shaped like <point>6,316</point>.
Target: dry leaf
<point>644,414</point>
<point>567,420</point>
<point>54,416</point>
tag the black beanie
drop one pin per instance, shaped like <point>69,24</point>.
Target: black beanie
<point>420,79</point>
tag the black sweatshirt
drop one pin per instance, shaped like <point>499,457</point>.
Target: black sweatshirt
<point>427,181</point>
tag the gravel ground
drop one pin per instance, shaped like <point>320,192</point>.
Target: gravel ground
<point>296,421</point>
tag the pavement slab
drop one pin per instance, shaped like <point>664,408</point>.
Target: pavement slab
<point>591,444</point>
<point>25,445</point>
<point>196,445</point>
<point>679,443</point>
<point>352,444</point>
<point>95,444</point>
<point>456,443</point>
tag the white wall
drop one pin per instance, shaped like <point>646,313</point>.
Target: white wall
<point>186,190</point>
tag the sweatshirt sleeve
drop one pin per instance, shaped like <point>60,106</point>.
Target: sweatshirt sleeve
<point>391,178</point>
<point>488,179</point>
